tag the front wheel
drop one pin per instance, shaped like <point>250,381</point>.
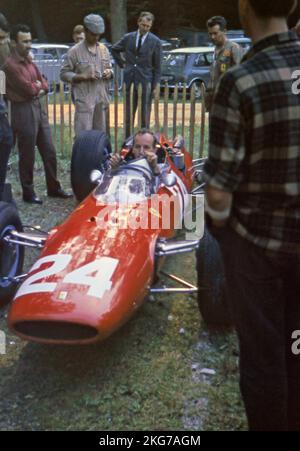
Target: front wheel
<point>11,255</point>
<point>212,300</point>
<point>90,151</point>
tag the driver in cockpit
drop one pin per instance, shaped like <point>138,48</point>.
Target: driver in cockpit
<point>145,145</point>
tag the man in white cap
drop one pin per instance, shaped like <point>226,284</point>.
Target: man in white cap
<point>87,66</point>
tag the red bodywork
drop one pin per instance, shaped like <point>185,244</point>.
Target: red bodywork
<point>90,280</point>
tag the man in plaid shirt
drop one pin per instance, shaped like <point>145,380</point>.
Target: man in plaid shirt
<point>253,209</point>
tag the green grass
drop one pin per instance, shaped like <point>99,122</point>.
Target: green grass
<point>145,377</point>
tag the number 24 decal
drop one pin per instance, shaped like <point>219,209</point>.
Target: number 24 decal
<point>96,275</point>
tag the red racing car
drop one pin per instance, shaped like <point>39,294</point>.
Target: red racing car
<point>96,268</point>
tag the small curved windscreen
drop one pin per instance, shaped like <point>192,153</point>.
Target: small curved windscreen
<point>124,188</point>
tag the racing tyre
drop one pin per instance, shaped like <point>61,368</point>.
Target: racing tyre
<point>90,151</point>
<point>211,282</point>
<point>11,255</point>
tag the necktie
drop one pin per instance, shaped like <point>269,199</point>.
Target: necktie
<point>139,44</point>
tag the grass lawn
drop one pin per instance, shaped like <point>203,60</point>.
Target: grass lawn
<point>147,376</point>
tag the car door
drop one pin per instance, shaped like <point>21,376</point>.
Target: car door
<point>199,67</point>
<point>173,69</point>
<point>53,65</point>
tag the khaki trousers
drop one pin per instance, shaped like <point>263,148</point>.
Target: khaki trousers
<point>90,117</point>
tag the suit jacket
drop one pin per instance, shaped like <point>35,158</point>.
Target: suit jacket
<point>143,66</point>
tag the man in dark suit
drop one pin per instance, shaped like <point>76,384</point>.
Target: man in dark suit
<point>142,63</point>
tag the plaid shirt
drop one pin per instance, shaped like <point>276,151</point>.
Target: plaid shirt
<point>255,144</point>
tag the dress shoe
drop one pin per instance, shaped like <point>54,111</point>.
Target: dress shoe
<point>60,193</point>
<point>32,200</point>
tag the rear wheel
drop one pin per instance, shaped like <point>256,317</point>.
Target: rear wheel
<point>11,255</point>
<point>90,151</point>
<point>211,282</point>
<point>197,87</point>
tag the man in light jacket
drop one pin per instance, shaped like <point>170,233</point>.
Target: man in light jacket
<point>87,66</point>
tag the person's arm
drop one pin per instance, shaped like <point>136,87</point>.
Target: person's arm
<point>218,205</point>
<point>43,83</point>
<point>222,170</point>
<point>67,72</point>
<point>153,162</point>
<point>108,72</point>
<point>115,160</point>
<point>236,54</point>
<point>157,59</point>
<point>18,82</point>
<point>119,48</point>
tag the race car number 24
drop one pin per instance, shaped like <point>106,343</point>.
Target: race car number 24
<point>96,275</point>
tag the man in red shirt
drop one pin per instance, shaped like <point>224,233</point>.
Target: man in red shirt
<point>25,86</point>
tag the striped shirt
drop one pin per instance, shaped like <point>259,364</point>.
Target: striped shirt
<point>255,143</point>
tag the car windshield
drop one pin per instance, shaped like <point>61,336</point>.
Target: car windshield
<point>130,184</point>
<point>177,60</point>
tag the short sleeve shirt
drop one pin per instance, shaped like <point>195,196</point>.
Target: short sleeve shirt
<point>225,58</point>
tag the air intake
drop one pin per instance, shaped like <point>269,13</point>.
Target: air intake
<point>55,330</point>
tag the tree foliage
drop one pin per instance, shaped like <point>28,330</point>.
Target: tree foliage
<point>56,19</point>
<point>118,18</point>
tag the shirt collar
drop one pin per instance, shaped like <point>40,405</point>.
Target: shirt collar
<point>87,47</point>
<point>19,58</point>
<point>143,37</point>
<point>270,41</point>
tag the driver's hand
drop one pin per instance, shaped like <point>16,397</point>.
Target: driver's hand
<point>115,161</point>
<point>107,74</point>
<point>152,160</point>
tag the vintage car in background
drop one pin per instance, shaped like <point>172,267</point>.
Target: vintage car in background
<point>48,58</point>
<point>189,65</point>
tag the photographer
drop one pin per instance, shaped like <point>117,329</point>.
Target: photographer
<point>87,66</point>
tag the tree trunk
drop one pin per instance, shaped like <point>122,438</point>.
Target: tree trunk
<point>38,21</point>
<point>118,19</point>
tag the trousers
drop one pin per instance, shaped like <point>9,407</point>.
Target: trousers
<point>6,143</point>
<point>264,296</point>
<point>90,117</point>
<point>145,106</point>
<point>31,128</point>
